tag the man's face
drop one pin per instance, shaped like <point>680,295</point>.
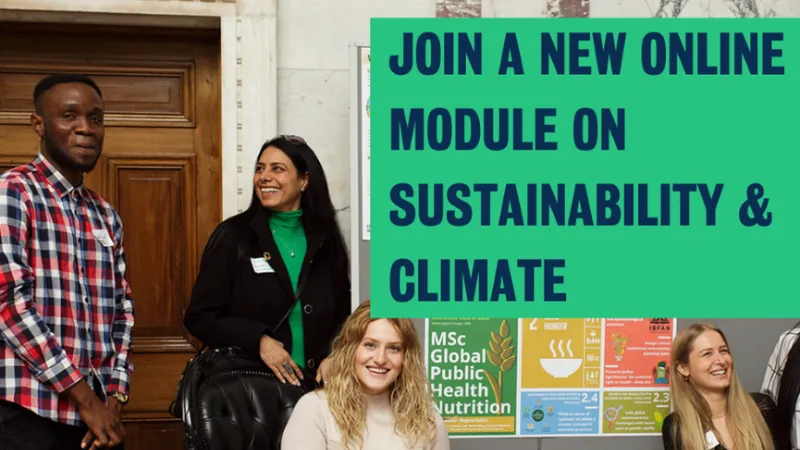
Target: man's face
<point>71,125</point>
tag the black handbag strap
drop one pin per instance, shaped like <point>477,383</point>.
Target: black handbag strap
<point>294,303</point>
<point>280,322</point>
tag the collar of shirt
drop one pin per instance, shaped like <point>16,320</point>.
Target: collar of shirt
<point>59,182</point>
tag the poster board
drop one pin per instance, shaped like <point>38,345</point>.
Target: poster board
<point>363,105</point>
<point>550,377</point>
<point>359,172</point>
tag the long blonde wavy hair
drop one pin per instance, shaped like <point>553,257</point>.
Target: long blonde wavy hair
<point>746,425</point>
<point>410,397</point>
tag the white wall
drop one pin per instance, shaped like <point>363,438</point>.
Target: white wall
<point>314,79</point>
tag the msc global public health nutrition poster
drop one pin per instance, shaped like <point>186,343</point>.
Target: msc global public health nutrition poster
<point>550,377</point>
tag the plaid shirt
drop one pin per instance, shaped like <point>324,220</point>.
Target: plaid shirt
<point>65,307</point>
<point>772,378</point>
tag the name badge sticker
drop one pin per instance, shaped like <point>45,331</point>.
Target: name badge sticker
<point>103,237</point>
<point>260,265</point>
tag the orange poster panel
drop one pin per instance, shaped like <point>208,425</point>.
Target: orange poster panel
<point>636,352</point>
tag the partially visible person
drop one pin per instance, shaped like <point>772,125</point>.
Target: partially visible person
<point>712,410</point>
<point>66,311</point>
<point>377,396</point>
<point>782,383</point>
<point>274,280</point>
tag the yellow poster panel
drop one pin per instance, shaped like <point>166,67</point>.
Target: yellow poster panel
<point>560,353</point>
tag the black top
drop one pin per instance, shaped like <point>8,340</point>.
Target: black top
<point>232,304</point>
<point>673,442</point>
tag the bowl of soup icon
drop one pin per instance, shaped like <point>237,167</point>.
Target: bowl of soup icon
<point>560,367</point>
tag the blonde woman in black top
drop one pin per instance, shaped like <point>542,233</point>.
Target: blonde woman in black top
<point>712,410</point>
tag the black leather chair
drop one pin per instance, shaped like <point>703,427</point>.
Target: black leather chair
<point>233,402</point>
<point>767,406</point>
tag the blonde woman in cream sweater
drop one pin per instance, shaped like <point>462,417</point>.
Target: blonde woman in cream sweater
<point>376,397</point>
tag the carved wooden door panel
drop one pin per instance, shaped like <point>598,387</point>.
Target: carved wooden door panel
<point>160,168</point>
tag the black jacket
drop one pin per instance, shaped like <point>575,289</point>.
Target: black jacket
<point>671,437</point>
<point>231,304</point>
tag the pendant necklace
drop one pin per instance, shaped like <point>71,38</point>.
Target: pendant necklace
<point>291,249</point>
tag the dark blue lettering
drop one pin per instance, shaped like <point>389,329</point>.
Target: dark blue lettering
<point>459,204</point>
<point>553,202</point>
<point>747,53</point>
<point>406,128</point>
<point>543,128</point>
<point>576,52</point>
<point>614,127</point>
<point>609,52</point>
<point>644,217</point>
<point>519,127</point>
<point>394,61</point>
<point>431,217</point>
<point>444,274</point>
<point>469,282</point>
<point>511,57</point>
<point>550,280</point>
<point>711,201</point>
<point>649,65</point>
<point>532,202</point>
<point>581,208</point>
<point>666,194</point>
<point>398,293</point>
<point>396,195</point>
<point>501,141</point>
<point>685,205</point>
<point>552,53</point>
<point>464,140</point>
<point>439,117</point>
<point>703,65</point>
<point>769,52</point>
<point>529,267</point>
<point>677,50</point>
<point>585,122</point>
<point>585,129</point>
<point>430,54</point>
<point>503,284</point>
<point>628,198</point>
<point>423,293</point>
<point>485,189</point>
<point>425,41</point>
<point>607,199</point>
<point>510,207</point>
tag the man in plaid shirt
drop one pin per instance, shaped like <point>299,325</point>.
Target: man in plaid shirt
<point>66,311</point>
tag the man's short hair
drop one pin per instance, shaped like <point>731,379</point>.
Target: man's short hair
<point>60,78</point>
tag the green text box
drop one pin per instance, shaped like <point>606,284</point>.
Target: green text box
<point>725,131</point>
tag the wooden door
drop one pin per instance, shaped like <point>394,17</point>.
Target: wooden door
<point>160,168</point>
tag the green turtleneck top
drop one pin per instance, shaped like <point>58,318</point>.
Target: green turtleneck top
<point>287,230</point>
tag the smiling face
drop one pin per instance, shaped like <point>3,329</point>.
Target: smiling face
<point>276,181</point>
<point>379,357</point>
<point>70,122</point>
<point>710,363</point>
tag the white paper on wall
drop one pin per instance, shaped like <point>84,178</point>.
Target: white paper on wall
<point>364,114</point>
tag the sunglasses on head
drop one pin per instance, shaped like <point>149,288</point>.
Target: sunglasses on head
<point>294,139</point>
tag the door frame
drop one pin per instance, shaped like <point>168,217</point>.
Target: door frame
<point>220,16</point>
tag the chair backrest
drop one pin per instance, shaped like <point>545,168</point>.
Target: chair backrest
<point>767,406</point>
<point>234,402</point>
<point>764,401</point>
